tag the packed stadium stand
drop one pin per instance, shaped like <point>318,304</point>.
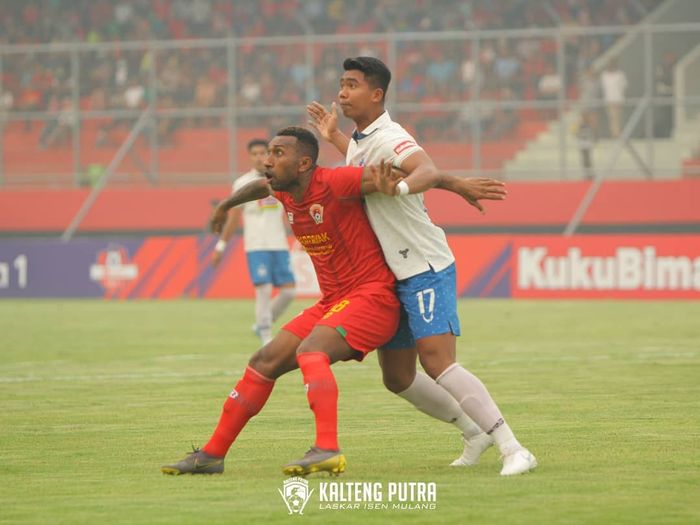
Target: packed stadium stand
<point>432,72</point>
<point>487,87</point>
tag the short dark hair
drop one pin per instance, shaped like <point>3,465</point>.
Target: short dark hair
<point>375,71</point>
<point>257,142</point>
<point>307,140</point>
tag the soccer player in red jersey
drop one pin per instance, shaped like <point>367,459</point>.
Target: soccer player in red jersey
<point>358,310</point>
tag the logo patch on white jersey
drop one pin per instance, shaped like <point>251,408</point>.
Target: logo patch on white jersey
<point>268,203</point>
<point>403,146</point>
<point>316,212</point>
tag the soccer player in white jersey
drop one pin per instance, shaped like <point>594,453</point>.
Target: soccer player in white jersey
<point>418,254</point>
<point>265,244</point>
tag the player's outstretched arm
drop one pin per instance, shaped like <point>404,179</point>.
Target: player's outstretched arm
<point>473,189</point>
<point>326,122</point>
<point>421,175</point>
<point>257,189</point>
<point>417,174</point>
<point>234,219</point>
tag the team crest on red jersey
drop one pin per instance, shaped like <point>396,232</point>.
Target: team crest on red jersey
<point>316,212</point>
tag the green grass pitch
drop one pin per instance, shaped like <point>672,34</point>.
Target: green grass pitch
<point>95,396</point>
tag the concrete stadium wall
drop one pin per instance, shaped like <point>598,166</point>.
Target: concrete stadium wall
<point>530,207</point>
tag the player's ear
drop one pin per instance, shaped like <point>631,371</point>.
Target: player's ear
<point>377,95</point>
<point>305,163</point>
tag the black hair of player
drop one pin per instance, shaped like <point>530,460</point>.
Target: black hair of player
<point>257,142</point>
<point>376,73</point>
<point>308,144</point>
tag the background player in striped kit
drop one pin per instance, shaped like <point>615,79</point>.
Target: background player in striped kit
<point>265,244</point>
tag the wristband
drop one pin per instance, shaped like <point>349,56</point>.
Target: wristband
<point>220,246</point>
<point>402,188</point>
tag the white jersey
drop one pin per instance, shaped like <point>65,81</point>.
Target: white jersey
<point>263,226</point>
<point>412,244</point>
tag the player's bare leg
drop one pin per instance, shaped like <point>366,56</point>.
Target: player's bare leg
<point>263,312</point>
<point>315,354</point>
<point>437,356</point>
<point>247,399</point>
<point>282,300</point>
<point>268,309</point>
<point>400,377</point>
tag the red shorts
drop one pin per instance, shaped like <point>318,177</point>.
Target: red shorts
<point>366,318</point>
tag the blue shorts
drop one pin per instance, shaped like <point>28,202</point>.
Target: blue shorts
<point>428,307</point>
<point>270,267</point>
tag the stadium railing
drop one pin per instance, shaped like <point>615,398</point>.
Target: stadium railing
<point>460,92</point>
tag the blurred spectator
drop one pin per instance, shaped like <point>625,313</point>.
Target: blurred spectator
<point>441,74</point>
<point>58,130</point>
<point>504,118</point>
<point>663,87</point>
<point>589,97</point>
<point>205,95</point>
<point>250,91</point>
<point>506,67</point>
<point>132,99</point>
<point>468,71</point>
<point>548,89</point>
<point>7,101</point>
<point>613,82</point>
<point>586,137</point>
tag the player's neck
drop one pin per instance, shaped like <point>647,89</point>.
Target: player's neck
<point>365,120</point>
<point>297,192</point>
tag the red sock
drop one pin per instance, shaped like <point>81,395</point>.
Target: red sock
<point>244,401</point>
<point>322,393</point>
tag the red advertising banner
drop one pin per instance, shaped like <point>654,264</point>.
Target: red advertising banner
<point>625,267</point>
<point>595,266</point>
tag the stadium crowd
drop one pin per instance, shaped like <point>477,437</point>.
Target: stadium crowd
<point>278,74</point>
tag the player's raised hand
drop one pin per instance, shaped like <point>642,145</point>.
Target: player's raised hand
<point>326,122</point>
<point>385,177</point>
<point>218,219</point>
<point>481,188</point>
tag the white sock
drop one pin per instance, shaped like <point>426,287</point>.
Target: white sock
<point>281,302</point>
<point>505,439</point>
<point>430,398</point>
<point>263,312</point>
<point>475,400</point>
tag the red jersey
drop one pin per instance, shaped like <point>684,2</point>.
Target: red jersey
<point>331,224</point>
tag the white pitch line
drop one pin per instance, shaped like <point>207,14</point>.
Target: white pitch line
<point>659,356</point>
<point>183,357</point>
<point>114,377</point>
<point>662,355</point>
<point>355,367</point>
